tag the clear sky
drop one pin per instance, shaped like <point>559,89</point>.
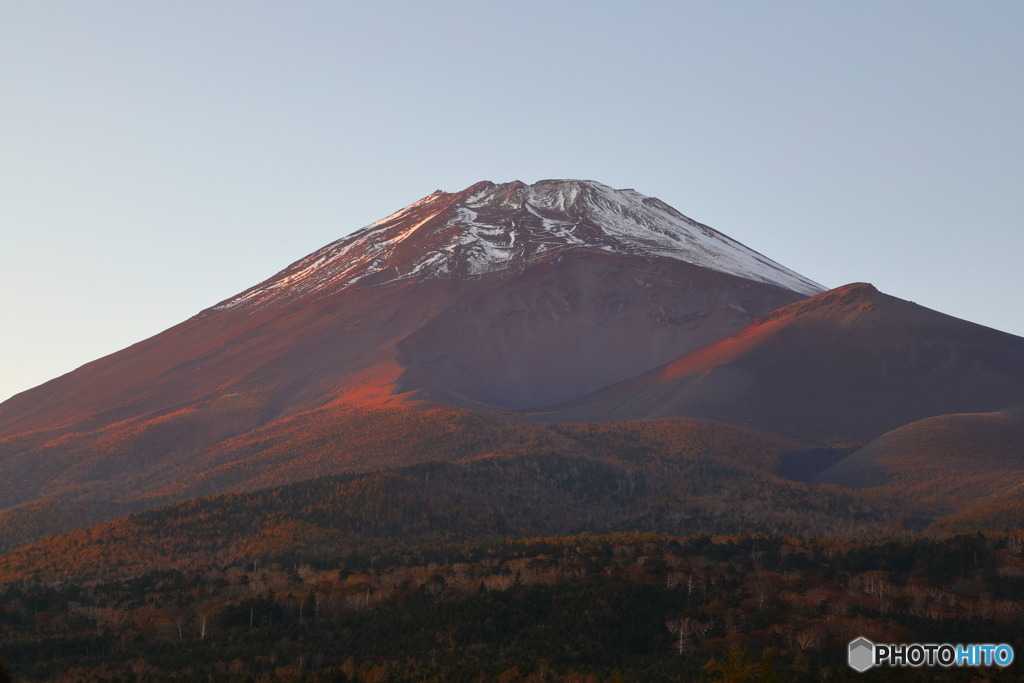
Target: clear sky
<point>158,157</point>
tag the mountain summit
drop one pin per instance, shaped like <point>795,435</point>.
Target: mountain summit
<point>505,228</point>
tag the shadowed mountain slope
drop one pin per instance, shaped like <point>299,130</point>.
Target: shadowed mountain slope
<point>568,327</point>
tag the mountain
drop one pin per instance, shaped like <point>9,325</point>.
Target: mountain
<point>843,367</point>
<point>368,352</point>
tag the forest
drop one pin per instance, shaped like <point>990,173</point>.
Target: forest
<point>432,504</point>
<point>634,564</point>
<point>587,608</point>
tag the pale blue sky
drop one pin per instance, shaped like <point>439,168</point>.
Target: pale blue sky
<point>157,157</point>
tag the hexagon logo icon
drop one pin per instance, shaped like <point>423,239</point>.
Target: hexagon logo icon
<point>861,654</point>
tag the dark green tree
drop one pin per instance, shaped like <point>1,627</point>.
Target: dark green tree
<point>769,672</point>
<point>5,673</point>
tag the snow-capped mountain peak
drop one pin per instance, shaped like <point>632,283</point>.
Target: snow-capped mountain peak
<point>496,228</point>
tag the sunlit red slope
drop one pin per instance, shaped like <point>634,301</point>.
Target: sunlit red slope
<point>846,365</point>
<point>509,295</point>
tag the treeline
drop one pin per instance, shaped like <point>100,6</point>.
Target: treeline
<point>629,607</point>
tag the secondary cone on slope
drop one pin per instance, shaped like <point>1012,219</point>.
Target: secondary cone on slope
<point>847,365</point>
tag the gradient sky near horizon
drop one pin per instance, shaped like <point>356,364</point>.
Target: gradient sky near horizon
<point>159,157</point>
